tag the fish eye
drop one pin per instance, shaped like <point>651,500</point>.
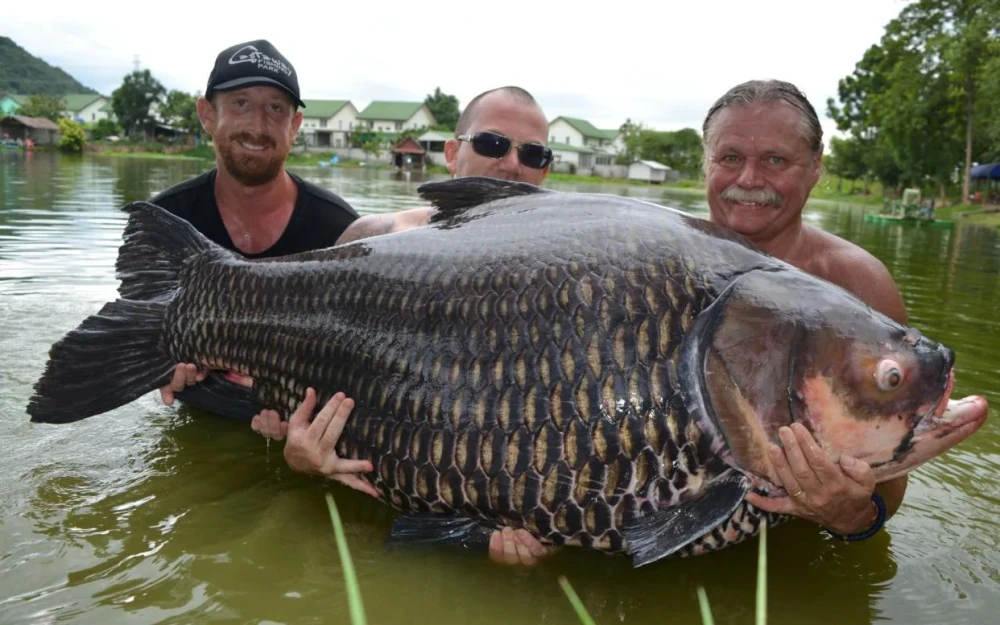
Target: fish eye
<point>888,375</point>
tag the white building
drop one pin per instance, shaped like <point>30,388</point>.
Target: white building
<point>571,158</point>
<point>328,123</point>
<point>433,141</point>
<point>651,171</point>
<point>83,108</point>
<point>567,133</point>
<point>392,117</point>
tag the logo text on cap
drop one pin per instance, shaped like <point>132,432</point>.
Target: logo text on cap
<point>250,54</point>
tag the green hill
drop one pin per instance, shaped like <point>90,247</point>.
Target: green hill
<point>23,73</point>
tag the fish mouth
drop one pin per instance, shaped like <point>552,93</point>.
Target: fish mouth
<point>955,416</point>
<point>948,423</point>
<point>935,417</point>
<point>962,413</point>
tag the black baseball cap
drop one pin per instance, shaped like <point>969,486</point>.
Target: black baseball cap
<point>253,63</point>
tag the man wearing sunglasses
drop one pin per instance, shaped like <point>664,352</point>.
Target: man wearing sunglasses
<point>502,134</point>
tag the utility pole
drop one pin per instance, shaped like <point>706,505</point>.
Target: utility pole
<point>135,61</point>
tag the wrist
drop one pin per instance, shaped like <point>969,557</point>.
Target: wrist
<point>858,522</point>
<point>875,516</point>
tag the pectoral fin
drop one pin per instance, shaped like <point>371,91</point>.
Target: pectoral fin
<point>658,535</point>
<point>428,529</point>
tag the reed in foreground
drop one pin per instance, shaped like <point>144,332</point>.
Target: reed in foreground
<point>357,610</point>
<point>703,604</point>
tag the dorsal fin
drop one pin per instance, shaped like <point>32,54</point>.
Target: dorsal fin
<point>455,195</point>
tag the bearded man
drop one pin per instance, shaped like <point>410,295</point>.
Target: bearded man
<point>249,203</point>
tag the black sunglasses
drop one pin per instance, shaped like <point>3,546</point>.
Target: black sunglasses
<point>495,145</point>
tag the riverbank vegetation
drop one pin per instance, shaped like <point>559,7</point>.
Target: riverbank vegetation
<point>920,107</point>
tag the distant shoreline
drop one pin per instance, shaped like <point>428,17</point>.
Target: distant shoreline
<point>826,189</point>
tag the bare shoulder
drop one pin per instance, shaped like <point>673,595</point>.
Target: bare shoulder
<point>856,270</point>
<point>384,223</point>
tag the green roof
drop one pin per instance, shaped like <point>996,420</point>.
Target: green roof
<point>393,111</point>
<point>75,102</point>
<point>565,147</point>
<point>324,109</point>
<point>610,133</point>
<point>78,102</point>
<point>584,127</point>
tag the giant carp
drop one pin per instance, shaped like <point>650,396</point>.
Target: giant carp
<point>601,371</point>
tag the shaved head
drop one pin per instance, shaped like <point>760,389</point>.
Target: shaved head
<point>517,93</point>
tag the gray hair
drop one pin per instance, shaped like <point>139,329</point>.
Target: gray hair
<point>757,91</point>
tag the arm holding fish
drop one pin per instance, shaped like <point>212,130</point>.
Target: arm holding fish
<point>185,375</point>
<point>837,494</point>
<point>374,225</point>
<point>311,446</point>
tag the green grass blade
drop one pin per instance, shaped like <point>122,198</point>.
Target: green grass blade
<point>581,611</point>
<point>354,604</point>
<point>706,612</point>
<point>762,576</point>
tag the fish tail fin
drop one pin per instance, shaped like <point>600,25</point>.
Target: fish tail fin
<point>109,360</point>
<point>115,356</point>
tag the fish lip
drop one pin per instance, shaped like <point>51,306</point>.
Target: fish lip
<point>952,416</point>
<point>934,418</point>
<point>961,419</point>
<point>959,413</point>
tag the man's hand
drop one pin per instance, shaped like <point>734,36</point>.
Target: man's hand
<point>268,424</point>
<point>185,375</point>
<point>835,495</point>
<point>517,546</point>
<point>311,447</point>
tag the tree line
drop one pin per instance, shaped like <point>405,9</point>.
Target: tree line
<point>921,106</point>
<point>681,150</point>
<point>138,105</point>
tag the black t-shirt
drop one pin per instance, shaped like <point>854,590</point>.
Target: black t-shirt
<point>319,218</point>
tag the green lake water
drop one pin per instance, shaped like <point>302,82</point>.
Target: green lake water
<point>155,514</point>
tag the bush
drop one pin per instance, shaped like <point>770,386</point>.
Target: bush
<point>105,128</point>
<point>72,137</point>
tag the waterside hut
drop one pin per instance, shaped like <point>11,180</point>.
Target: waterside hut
<point>41,130</point>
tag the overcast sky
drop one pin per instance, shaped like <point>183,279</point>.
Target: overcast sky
<point>659,62</point>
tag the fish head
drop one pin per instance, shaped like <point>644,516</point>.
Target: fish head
<point>866,386</point>
<point>786,347</point>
